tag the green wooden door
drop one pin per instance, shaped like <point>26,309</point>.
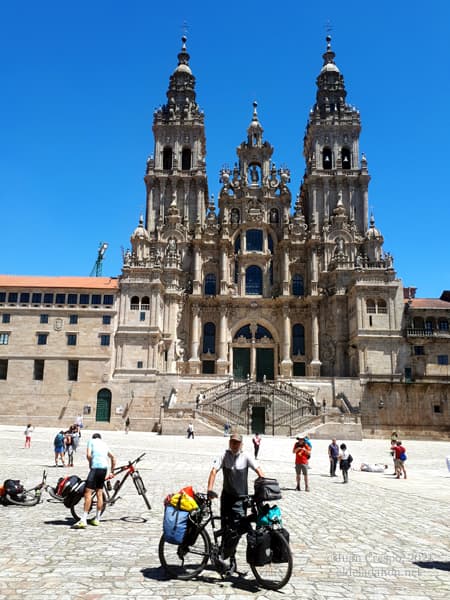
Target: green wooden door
<point>103,412</point>
<point>241,363</point>
<point>258,419</point>
<point>264,364</point>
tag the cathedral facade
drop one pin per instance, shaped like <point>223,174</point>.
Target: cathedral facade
<point>262,287</point>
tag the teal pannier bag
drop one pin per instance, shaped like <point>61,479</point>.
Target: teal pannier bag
<point>272,514</point>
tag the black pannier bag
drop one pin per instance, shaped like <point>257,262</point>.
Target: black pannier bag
<point>280,552</point>
<point>13,487</point>
<point>266,489</point>
<point>259,552</point>
<point>67,485</point>
<point>75,494</point>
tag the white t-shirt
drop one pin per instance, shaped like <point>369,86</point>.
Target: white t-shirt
<point>99,452</point>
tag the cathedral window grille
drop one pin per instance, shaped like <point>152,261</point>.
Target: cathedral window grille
<point>382,307</point>
<point>25,298</point>
<point>254,238</point>
<point>6,318</point>
<point>236,270</point>
<point>443,325</point>
<point>429,324</point>
<point>186,158</point>
<point>418,323</point>
<point>36,298</point>
<point>3,368</point>
<point>13,297</point>
<point>167,159</point>
<point>271,273</point>
<point>210,284</point>
<point>262,332</point>
<point>298,340</point>
<point>145,303</point>
<point>72,370</point>
<point>253,281</point>
<point>134,305</point>
<point>209,338</point>
<point>442,359</point>
<point>244,332</point>
<point>346,158</point>
<point>327,159</point>
<point>38,370</point>
<point>298,288</point>
<point>371,307</point>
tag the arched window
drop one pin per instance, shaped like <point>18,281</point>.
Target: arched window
<point>253,280</point>
<point>298,340</point>
<point>244,332</point>
<point>443,325</point>
<point>346,158</point>
<point>209,338</point>
<point>262,332</point>
<point>429,324</point>
<point>167,159</point>
<point>236,270</point>
<point>418,323</point>
<point>298,288</point>
<point>134,303</point>
<point>186,157</point>
<point>382,306</point>
<point>327,162</point>
<point>370,306</point>
<point>145,303</point>
<point>210,284</point>
<point>254,239</point>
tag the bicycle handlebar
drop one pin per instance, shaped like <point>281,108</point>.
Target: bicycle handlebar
<point>117,470</point>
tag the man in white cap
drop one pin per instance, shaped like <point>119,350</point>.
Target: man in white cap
<point>234,464</point>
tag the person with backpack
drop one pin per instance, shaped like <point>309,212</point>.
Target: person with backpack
<point>58,444</point>
<point>97,454</point>
<point>399,460</point>
<point>345,461</point>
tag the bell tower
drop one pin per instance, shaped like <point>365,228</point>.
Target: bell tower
<point>176,173</point>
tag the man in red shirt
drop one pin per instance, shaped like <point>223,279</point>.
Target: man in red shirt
<point>302,453</point>
<point>400,458</point>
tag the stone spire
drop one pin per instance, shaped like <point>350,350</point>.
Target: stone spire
<point>255,130</point>
<point>331,92</point>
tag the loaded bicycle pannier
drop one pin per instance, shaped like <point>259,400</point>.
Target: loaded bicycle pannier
<point>259,551</point>
<point>66,485</point>
<point>75,494</point>
<point>266,489</point>
<point>280,551</point>
<point>269,515</point>
<point>175,524</point>
<point>13,487</point>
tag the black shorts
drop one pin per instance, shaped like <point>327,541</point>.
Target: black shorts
<point>96,479</point>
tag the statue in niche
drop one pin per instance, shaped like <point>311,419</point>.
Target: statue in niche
<point>179,349</point>
<point>254,174</point>
<point>274,218</point>
<point>235,216</point>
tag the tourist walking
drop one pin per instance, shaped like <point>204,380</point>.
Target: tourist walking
<point>76,435</point>
<point>127,424</point>
<point>97,454</point>
<point>68,447</point>
<point>190,431</point>
<point>400,458</point>
<point>58,444</point>
<point>256,444</point>
<point>333,455</point>
<point>302,454</point>
<point>344,462</point>
<point>28,431</point>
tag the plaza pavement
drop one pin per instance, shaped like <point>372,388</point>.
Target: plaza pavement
<point>376,538</point>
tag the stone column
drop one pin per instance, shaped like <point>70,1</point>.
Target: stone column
<point>222,362</point>
<point>315,364</point>
<point>285,272</point>
<point>196,284</point>
<point>223,270</point>
<point>194,361</point>
<point>286,362</point>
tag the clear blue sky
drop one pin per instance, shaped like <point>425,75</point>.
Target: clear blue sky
<point>80,82</point>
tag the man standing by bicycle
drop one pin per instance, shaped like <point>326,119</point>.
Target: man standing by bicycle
<point>234,464</point>
<point>97,454</point>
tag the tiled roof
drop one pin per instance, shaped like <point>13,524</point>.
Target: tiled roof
<point>88,283</point>
<point>428,303</point>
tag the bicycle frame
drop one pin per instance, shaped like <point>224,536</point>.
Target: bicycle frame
<point>130,470</point>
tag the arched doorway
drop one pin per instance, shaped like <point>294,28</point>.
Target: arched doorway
<point>103,411</point>
<point>254,353</point>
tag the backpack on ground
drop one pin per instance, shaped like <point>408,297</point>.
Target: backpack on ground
<point>259,552</point>
<point>13,487</point>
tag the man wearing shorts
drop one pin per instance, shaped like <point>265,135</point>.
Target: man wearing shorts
<point>302,453</point>
<point>97,454</point>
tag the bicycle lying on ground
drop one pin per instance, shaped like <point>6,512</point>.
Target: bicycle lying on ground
<point>13,492</point>
<point>188,559</point>
<point>111,493</point>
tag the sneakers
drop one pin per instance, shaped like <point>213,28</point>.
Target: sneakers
<point>79,525</point>
<point>94,522</point>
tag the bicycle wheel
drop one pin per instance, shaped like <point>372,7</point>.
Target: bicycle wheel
<point>185,562</point>
<point>52,492</point>
<point>140,487</point>
<point>25,499</point>
<point>77,509</point>
<point>275,575</point>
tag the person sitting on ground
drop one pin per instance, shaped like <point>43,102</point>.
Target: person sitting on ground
<point>373,468</point>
